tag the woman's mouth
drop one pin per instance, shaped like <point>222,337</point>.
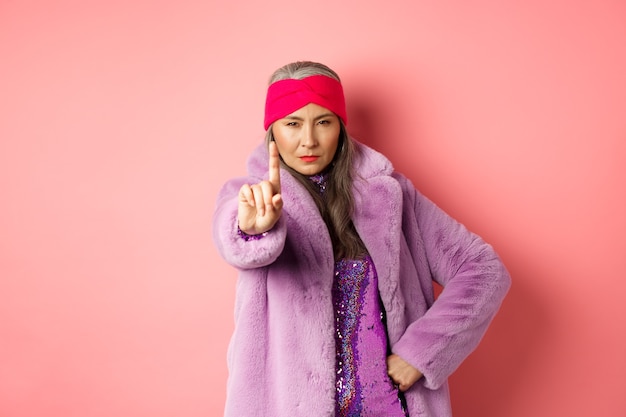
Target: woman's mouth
<point>309,158</point>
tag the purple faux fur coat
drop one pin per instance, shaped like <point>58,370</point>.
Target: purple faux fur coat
<point>282,354</point>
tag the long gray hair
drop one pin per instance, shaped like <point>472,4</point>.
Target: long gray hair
<point>337,205</point>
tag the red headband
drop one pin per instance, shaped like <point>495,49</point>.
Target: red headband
<point>286,96</point>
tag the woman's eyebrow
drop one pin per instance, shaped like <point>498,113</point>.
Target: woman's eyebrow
<point>321,116</point>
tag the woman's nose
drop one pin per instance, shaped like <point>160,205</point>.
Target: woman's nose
<point>308,139</point>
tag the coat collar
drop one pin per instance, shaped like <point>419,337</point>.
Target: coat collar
<point>378,219</point>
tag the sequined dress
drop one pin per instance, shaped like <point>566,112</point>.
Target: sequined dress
<point>363,388</point>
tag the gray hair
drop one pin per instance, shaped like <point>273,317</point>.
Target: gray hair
<point>302,69</point>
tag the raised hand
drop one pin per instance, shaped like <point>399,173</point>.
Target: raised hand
<point>260,205</point>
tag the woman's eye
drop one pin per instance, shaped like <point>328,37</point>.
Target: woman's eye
<point>324,122</point>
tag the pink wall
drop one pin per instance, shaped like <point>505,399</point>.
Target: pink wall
<point>120,121</point>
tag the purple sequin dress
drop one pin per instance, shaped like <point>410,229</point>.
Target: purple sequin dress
<point>363,386</point>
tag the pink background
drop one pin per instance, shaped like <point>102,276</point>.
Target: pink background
<point>120,120</point>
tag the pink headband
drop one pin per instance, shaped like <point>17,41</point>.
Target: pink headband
<point>286,96</point>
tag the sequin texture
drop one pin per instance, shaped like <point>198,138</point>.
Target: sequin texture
<point>363,387</point>
<point>320,180</point>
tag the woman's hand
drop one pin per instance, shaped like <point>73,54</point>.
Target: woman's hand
<point>401,373</point>
<point>260,205</point>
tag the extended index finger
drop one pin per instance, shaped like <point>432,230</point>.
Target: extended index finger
<point>274,170</point>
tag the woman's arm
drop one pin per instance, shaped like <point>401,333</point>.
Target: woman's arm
<point>475,282</point>
<point>237,251</point>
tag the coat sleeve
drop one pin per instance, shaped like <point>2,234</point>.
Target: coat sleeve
<point>474,282</point>
<point>232,247</point>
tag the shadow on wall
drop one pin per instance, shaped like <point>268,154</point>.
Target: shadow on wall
<point>386,113</point>
<point>487,383</point>
<point>382,113</point>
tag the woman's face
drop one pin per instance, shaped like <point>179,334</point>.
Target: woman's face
<point>307,139</point>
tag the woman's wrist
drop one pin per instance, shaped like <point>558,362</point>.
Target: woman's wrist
<point>247,237</point>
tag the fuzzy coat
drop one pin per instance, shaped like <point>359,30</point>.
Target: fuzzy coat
<point>281,356</point>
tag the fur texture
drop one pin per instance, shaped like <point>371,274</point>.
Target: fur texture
<point>282,355</point>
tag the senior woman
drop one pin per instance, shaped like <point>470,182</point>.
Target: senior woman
<point>337,254</point>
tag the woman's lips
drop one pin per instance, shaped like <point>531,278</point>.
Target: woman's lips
<point>309,158</point>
